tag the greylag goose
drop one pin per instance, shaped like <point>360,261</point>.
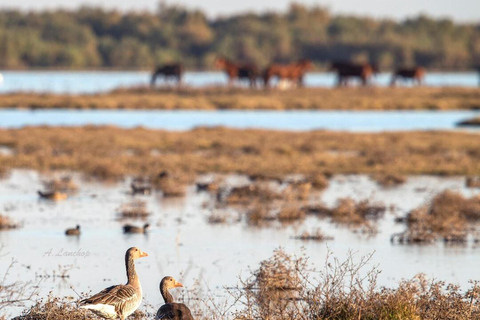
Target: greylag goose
<point>128,228</point>
<point>171,310</point>
<point>73,231</point>
<point>121,300</point>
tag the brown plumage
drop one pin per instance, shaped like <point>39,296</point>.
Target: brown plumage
<point>128,228</point>
<point>122,300</point>
<point>73,231</point>
<point>172,310</point>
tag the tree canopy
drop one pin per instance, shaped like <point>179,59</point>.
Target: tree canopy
<point>97,38</point>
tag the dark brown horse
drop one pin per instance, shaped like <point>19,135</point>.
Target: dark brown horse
<point>416,74</point>
<point>171,70</point>
<point>293,72</point>
<point>347,70</point>
<point>478,70</point>
<point>239,71</point>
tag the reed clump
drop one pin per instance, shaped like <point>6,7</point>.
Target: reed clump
<point>449,217</point>
<point>362,213</point>
<point>315,235</point>
<point>287,287</point>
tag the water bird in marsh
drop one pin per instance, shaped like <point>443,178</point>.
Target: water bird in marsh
<point>54,195</point>
<point>121,300</point>
<point>128,228</point>
<point>144,189</point>
<point>73,231</point>
<point>172,310</point>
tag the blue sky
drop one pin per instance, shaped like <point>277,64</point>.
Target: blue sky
<point>460,10</point>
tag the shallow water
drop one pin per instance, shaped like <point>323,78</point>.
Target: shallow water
<point>276,120</point>
<point>101,81</point>
<point>183,244</point>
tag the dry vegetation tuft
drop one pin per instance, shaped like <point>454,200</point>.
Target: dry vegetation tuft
<point>134,209</point>
<point>287,287</point>
<point>362,214</point>
<point>316,235</point>
<point>424,98</point>
<point>449,217</point>
<point>7,223</point>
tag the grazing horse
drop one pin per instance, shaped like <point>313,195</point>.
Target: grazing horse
<point>478,70</point>
<point>416,74</point>
<point>293,72</point>
<point>239,71</point>
<point>174,70</point>
<point>346,70</point>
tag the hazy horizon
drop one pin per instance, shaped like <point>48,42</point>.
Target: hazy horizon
<point>460,10</point>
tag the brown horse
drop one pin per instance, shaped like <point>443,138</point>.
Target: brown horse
<point>478,70</point>
<point>173,70</point>
<point>346,70</point>
<point>239,71</point>
<point>416,74</point>
<point>293,72</point>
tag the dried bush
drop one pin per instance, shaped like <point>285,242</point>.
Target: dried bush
<point>448,217</point>
<point>390,179</point>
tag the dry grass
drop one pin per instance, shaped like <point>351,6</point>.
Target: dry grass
<point>101,152</point>
<point>64,184</point>
<point>134,209</point>
<point>347,212</point>
<point>449,217</point>
<point>423,98</point>
<point>316,235</point>
<point>7,223</point>
<point>390,180</point>
<point>286,287</point>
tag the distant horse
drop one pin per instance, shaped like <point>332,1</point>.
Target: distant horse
<point>292,72</point>
<point>173,70</point>
<point>416,74</point>
<point>239,71</point>
<point>478,70</point>
<point>346,70</point>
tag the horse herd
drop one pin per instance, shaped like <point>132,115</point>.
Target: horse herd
<point>291,75</point>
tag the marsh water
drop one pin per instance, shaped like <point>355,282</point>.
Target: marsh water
<point>276,120</point>
<point>74,82</point>
<point>182,242</point>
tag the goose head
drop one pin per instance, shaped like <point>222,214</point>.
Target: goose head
<point>136,253</point>
<point>168,283</point>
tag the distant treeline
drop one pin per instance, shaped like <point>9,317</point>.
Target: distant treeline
<point>97,38</point>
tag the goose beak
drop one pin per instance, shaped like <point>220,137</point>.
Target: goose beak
<point>178,284</point>
<point>143,254</point>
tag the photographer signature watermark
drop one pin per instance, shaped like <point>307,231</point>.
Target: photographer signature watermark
<point>80,253</point>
